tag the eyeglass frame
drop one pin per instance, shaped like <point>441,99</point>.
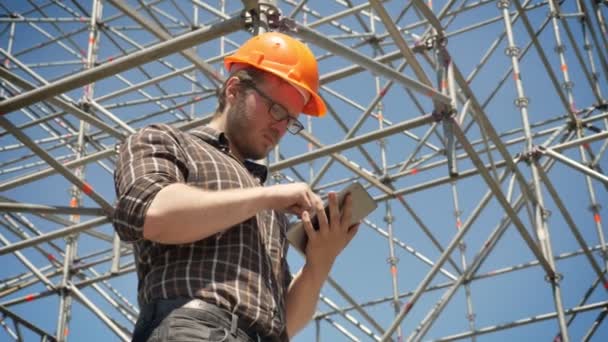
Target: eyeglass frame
<point>294,126</point>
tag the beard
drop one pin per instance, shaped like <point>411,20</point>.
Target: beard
<point>238,131</point>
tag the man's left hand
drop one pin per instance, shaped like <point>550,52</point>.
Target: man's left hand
<point>333,235</point>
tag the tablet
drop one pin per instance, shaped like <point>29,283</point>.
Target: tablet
<point>363,204</point>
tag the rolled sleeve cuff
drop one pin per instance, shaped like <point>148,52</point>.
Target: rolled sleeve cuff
<point>132,206</point>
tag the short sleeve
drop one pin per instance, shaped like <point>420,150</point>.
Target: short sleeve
<point>287,276</point>
<point>148,161</point>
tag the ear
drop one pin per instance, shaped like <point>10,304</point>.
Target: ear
<point>232,89</point>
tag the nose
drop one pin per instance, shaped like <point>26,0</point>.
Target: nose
<point>280,126</point>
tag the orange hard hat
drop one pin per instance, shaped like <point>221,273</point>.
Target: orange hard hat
<point>287,58</point>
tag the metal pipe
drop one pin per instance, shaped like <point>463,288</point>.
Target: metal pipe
<point>574,164</point>
<point>521,322</point>
<point>57,101</point>
<point>47,209</point>
<point>69,175</point>
<point>121,64</point>
<point>191,55</point>
<point>366,62</point>
<point>348,143</point>
<point>54,235</point>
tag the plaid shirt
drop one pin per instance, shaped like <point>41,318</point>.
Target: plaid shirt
<point>242,269</point>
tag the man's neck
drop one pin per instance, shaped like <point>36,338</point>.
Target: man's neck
<point>219,124</point>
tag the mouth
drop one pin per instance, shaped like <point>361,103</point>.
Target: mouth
<point>269,138</point>
<point>272,138</point>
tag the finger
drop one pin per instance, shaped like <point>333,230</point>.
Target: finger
<point>310,231</point>
<point>316,200</point>
<point>334,209</point>
<point>354,227</point>
<point>352,231</point>
<point>347,211</point>
<point>321,216</point>
<point>306,204</point>
<point>296,210</point>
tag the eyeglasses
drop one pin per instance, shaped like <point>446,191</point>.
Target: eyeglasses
<point>278,112</point>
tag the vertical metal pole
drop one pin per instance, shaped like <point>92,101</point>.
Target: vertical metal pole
<point>9,50</point>
<point>65,302</point>
<point>392,260</point>
<point>462,246</point>
<point>311,169</point>
<point>540,213</point>
<point>594,207</point>
<point>585,24</point>
<point>599,16</point>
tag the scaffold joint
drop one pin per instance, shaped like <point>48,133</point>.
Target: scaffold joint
<point>602,106</point>
<point>386,179</point>
<point>251,15</point>
<point>389,219</point>
<point>512,51</point>
<point>277,176</point>
<point>595,208</point>
<point>374,39</point>
<point>576,124</point>
<point>435,41</point>
<point>554,278</point>
<point>287,24</point>
<point>533,155</point>
<point>445,113</point>
<point>84,105</point>
<point>554,14</point>
<point>545,213</point>
<point>74,192</point>
<point>502,4</point>
<point>392,261</point>
<point>521,102</point>
<point>568,85</point>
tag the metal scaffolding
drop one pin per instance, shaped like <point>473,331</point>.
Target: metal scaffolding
<point>489,116</point>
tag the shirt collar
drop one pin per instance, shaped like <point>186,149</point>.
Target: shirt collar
<point>219,140</point>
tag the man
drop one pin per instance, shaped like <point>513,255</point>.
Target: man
<point>209,240</point>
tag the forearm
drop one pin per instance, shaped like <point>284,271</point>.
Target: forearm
<point>182,214</point>
<point>303,296</point>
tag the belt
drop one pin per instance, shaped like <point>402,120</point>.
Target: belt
<point>235,323</point>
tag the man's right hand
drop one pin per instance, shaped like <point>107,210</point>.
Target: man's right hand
<point>294,198</point>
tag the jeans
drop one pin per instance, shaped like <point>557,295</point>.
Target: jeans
<point>188,320</point>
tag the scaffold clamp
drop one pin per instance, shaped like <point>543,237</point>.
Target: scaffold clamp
<point>533,155</point>
<point>287,24</point>
<point>503,4</point>
<point>554,278</point>
<point>440,115</point>
<point>251,14</point>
